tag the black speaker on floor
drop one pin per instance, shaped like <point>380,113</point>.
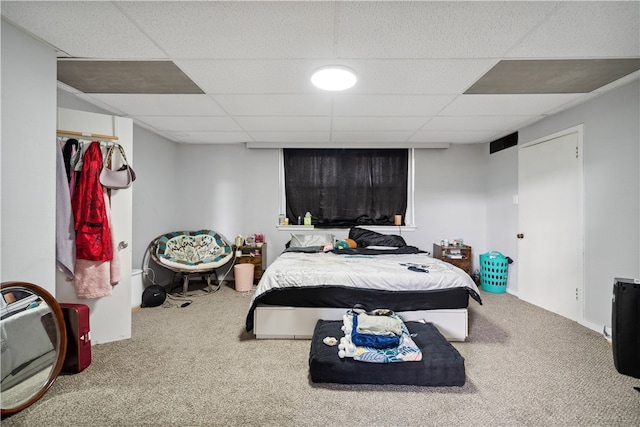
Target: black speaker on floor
<point>625,326</point>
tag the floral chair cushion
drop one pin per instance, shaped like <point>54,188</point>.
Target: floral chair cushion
<point>200,250</point>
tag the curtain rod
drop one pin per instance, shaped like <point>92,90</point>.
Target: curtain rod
<point>86,135</point>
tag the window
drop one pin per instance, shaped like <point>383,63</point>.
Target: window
<point>347,187</point>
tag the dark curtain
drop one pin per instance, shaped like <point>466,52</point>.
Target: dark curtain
<point>343,187</point>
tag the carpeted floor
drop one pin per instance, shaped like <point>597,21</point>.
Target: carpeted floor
<point>196,366</point>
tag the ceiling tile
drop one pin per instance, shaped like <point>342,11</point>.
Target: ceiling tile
<point>475,123</point>
<point>585,29</point>
<point>285,124</point>
<point>190,123</point>
<point>193,29</point>
<point>506,105</point>
<point>378,123</point>
<point>426,30</point>
<point>553,75</point>
<point>618,83</point>
<point>290,136</point>
<point>83,29</point>
<point>276,105</point>
<point>227,76</point>
<point>416,76</point>
<point>389,105</point>
<point>210,137</point>
<point>162,105</point>
<point>125,77</point>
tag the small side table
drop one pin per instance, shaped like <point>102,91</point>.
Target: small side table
<point>446,254</point>
<point>256,255</point>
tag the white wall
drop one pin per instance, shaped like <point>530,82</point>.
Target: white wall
<point>450,197</point>
<point>234,190</point>
<point>230,189</point>
<point>611,191</point>
<point>156,190</point>
<point>28,159</point>
<point>502,213</point>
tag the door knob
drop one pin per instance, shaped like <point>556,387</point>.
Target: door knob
<point>520,236</point>
<point>122,245</point>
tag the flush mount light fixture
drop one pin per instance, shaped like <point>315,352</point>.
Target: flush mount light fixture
<point>334,77</point>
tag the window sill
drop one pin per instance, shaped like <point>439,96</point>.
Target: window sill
<point>380,228</point>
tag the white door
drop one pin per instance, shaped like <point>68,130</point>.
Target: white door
<point>550,260</point>
<point>110,316</point>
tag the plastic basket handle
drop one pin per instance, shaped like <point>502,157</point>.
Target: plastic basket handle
<point>495,254</point>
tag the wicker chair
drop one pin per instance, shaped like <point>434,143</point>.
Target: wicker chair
<point>190,253</point>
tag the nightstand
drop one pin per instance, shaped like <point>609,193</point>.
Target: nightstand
<point>460,256</point>
<point>253,255</point>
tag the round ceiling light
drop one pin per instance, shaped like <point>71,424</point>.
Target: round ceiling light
<point>334,77</point>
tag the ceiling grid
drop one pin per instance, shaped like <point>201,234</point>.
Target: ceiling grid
<point>417,65</point>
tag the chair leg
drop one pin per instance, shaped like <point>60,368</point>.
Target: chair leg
<point>209,283</point>
<point>185,284</point>
<point>173,281</point>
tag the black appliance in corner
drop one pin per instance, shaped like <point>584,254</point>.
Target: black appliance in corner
<point>625,326</point>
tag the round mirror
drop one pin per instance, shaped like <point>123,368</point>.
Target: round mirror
<point>33,343</point>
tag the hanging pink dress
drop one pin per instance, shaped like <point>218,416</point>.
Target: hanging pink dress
<point>96,270</point>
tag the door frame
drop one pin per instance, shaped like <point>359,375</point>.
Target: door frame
<point>579,130</point>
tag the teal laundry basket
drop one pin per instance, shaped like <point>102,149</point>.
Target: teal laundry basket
<point>494,269</point>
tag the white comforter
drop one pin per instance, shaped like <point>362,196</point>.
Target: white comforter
<point>380,272</point>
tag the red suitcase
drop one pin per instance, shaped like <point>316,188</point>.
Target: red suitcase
<point>76,319</point>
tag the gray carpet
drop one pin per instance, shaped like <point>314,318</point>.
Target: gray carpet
<point>196,366</point>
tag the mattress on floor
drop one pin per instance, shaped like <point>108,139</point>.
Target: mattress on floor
<point>441,365</point>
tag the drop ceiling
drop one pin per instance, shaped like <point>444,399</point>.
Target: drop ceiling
<point>430,73</point>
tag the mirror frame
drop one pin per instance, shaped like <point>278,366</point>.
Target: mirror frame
<point>61,348</point>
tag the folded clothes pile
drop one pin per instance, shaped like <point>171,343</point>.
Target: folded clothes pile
<point>378,339</point>
<point>376,331</point>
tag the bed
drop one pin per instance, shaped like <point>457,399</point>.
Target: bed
<point>308,282</point>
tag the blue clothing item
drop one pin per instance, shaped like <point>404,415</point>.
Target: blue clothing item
<point>373,341</point>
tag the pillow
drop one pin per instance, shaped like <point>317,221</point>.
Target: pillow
<point>307,240</point>
<point>366,238</point>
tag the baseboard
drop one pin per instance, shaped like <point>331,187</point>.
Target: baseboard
<point>592,326</point>
<point>585,323</point>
